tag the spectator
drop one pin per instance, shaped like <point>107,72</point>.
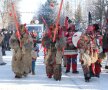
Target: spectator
<point>1,59</point>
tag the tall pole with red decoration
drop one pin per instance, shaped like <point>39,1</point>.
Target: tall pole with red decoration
<point>57,20</point>
<point>16,23</point>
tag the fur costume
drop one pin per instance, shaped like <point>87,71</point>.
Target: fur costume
<point>89,56</point>
<point>53,54</point>
<point>60,44</point>
<point>22,59</point>
<point>89,42</point>
<point>49,71</point>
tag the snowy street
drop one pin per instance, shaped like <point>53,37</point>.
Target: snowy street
<point>41,82</point>
<point>77,29</point>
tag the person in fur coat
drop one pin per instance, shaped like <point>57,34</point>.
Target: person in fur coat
<point>22,58</point>
<point>89,54</point>
<point>53,54</point>
<point>87,57</point>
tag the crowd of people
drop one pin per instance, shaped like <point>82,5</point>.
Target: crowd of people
<point>59,50</point>
<point>92,47</point>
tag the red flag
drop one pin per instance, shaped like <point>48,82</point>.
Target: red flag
<point>57,20</point>
<point>16,23</point>
<point>17,34</point>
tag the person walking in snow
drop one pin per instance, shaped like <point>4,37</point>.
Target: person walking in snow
<point>54,53</point>
<point>105,44</point>
<point>71,56</point>
<point>22,47</point>
<point>34,57</point>
<point>89,52</point>
<point>1,59</point>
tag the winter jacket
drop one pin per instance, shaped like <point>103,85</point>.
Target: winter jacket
<point>34,55</point>
<point>69,45</point>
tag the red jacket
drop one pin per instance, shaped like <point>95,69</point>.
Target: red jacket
<point>70,46</point>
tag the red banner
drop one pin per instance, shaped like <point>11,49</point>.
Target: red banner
<point>57,20</point>
<point>16,23</point>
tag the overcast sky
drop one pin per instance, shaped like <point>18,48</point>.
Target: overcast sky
<point>29,6</point>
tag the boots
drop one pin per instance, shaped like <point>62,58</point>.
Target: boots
<point>67,71</point>
<point>3,63</point>
<point>87,77</point>
<point>33,73</point>
<point>76,72</point>
<point>18,75</point>
<point>106,67</point>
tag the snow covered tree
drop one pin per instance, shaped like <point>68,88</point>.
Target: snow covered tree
<point>98,11</point>
<point>6,14</point>
<point>11,21</point>
<point>3,13</point>
<point>66,11</point>
<point>78,17</point>
<point>48,11</point>
<point>78,14</point>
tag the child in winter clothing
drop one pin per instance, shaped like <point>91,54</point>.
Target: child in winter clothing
<point>34,57</point>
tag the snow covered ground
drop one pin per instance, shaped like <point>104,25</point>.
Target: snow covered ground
<point>41,82</point>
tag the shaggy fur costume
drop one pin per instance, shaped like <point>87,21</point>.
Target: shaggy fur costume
<point>22,59</point>
<point>53,55</point>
